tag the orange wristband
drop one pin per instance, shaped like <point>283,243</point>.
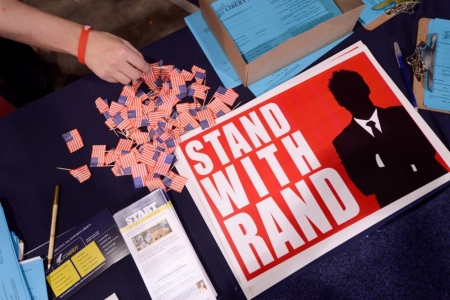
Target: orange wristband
<point>82,43</point>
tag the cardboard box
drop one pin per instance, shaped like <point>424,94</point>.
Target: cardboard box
<point>288,52</point>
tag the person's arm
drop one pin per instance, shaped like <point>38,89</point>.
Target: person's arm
<point>108,56</point>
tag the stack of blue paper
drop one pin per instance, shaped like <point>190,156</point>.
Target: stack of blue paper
<point>24,280</point>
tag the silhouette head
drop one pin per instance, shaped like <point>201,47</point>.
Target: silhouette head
<point>351,92</point>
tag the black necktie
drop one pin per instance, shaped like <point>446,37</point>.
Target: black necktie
<point>375,131</point>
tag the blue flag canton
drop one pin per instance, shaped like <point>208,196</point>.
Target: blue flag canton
<point>138,182</point>
<point>94,162</point>
<point>67,137</point>
<point>126,171</point>
<point>159,101</point>
<point>204,124</point>
<point>122,99</point>
<point>170,143</point>
<point>117,119</point>
<point>131,114</point>
<point>221,90</point>
<point>188,127</point>
<point>170,159</point>
<point>167,182</point>
<point>200,75</point>
<point>140,93</point>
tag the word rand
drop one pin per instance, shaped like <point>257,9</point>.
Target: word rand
<point>224,187</point>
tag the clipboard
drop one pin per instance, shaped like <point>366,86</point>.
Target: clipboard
<point>419,86</point>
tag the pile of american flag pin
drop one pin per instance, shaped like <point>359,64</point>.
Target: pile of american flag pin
<point>149,125</point>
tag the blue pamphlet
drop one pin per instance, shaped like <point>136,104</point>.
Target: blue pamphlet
<point>369,14</point>
<point>12,281</point>
<point>33,270</point>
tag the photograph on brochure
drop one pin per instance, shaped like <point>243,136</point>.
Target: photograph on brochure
<point>302,169</point>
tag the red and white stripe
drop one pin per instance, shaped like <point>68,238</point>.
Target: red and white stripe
<point>76,143</point>
<point>154,183</point>
<point>161,167</point>
<point>127,160</point>
<point>99,151</point>
<point>81,174</point>
<point>101,105</point>
<point>139,170</point>
<point>217,105</point>
<point>178,181</point>
<point>125,145</point>
<point>114,108</point>
<point>206,114</point>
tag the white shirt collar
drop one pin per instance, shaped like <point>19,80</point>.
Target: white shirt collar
<point>363,123</point>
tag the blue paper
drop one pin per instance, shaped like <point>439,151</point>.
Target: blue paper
<point>439,98</point>
<point>12,281</point>
<point>33,270</point>
<point>257,27</point>
<point>369,14</point>
<point>225,71</point>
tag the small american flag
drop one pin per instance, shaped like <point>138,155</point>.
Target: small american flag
<point>124,146</point>
<point>128,160</point>
<point>187,121</point>
<point>154,183</point>
<point>117,171</point>
<point>110,124</point>
<point>73,140</point>
<point>136,84</point>
<point>228,96</point>
<point>154,117</point>
<point>111,157</point>
<point>128,91</point>
<point>139,174</point>
<point>188,76</point>
<point>81,174</point>
<point>102,105</point>
<point>199,74</point>
<point>205,118</point>
<point>114,108</point>
<point>174,181</point>
<point>98,155</point>
<point>218,108</point>
<point>141,96</point>
<point>150,79</point>
<point>146,157</point>
<point>163,164</point>
<point>140,137</point>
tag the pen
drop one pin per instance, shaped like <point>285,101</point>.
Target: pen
<point>401,65</point>
<point>51,242</point>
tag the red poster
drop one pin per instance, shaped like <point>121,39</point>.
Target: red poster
<point>305,167</point>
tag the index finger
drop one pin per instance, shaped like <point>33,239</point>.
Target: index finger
<point>136,59</point>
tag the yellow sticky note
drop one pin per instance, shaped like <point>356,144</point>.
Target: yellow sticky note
<point>61,279</point>
<point>88,259</point>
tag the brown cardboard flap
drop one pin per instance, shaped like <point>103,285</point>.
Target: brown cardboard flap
<point>348,5</point>
<point>288,52</point>
<point>224,39</point>
<point>303,44</point>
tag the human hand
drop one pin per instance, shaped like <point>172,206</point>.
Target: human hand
<point>113,59</point>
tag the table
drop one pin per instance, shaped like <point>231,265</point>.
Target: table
<point>407,258</point>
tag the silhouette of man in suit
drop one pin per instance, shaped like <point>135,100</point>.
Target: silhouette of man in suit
<point>382,149</point>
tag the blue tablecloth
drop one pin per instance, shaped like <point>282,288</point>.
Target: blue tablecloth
<point>405,259</point>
